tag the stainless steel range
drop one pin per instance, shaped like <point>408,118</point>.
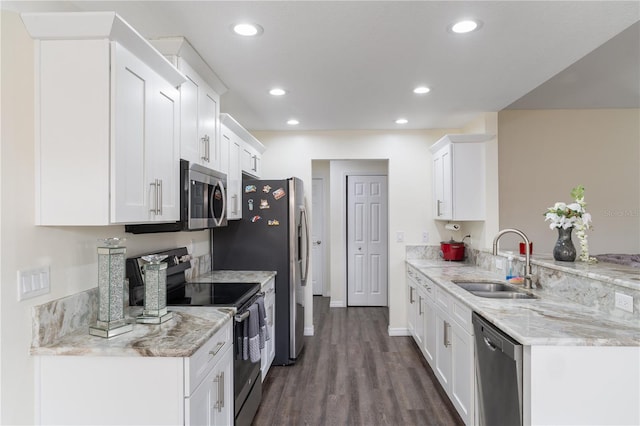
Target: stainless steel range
<point>246,381</point>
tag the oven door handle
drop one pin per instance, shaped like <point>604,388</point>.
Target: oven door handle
<point>244,315</point>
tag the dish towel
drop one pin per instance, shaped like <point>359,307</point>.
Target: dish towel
<point>253,333</point>
<point>262,318</point>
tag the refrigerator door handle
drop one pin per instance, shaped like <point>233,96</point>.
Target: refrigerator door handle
<point>305,224</point>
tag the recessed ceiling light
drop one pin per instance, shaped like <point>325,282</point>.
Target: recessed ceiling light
<point>421,90</point>
<point>276,91</point>
<point>465,26</point>
<point>402,121</point>
<point>293,122</point>
<point>247,29</point>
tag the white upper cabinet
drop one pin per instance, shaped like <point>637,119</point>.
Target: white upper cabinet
<point>200,139</point>
<point>459,177</point>
<point>107,123</point>
<point>244,155</point>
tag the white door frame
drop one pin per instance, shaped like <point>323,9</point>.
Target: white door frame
<point>318,238</point>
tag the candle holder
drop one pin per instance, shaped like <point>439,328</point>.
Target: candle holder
<point>111,261</point>
<point>155,291</point>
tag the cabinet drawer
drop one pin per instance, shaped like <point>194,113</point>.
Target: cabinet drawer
<point>199,364</point>
<point>429,286</point>
<point>443,299</point>
<point>462,315</point>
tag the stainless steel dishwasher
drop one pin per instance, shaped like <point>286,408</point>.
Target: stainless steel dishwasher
<point>499,375</point>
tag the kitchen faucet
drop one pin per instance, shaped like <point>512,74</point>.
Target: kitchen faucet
<point>527,267</point>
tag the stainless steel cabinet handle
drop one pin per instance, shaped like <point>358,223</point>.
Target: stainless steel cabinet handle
<point>420,305</point>
<point>155,196</point>
<point>411,299</point>
<point>215,351</point>
<point>207,147</point>
<point>255,163</point>
<point>160,201</point>
<point>235,203</point>
<point>438,208</point>
<point>447,327</point>
<point>220,399</point>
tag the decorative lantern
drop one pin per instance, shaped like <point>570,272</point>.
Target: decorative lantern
<point>111,260</point>
<point>155,291</point>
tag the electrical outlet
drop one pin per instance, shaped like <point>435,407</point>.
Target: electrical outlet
<point>425,237</point>
<point>624,302</point>
<point>400,237</point>
<point>499,263</point>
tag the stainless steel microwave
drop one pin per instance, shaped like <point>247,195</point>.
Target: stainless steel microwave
<point>203,202</point>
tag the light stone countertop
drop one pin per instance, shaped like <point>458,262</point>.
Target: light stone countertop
<point>549,320</point>
<point>181,336</point>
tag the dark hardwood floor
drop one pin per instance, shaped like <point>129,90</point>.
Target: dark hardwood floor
<point>352,373</point>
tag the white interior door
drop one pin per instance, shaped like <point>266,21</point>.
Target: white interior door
<point>317,232</point>
<point>367,241</point>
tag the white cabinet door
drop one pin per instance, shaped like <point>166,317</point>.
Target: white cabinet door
<point>132,82</point>
<point>223,397</point>
<point>462,372</point>
<point>145,145</point>
<point>412,309</point>
<point>443,349</point>
<point>164,151</point>
<point>234,173</point>
<point>268,353</point>
<point>250,161</point>
<point>208,125</point>
<point>429,341</point>
<point>442,182</point>
<point>200,122</point>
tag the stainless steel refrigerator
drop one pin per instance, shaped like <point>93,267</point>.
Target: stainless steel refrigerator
<point>273,235</point>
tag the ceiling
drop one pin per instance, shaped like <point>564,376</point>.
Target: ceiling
<point>354,64</point>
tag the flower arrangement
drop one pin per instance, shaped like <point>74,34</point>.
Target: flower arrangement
<point>573,215</point>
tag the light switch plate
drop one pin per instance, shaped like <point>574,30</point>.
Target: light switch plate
<point>425,237</point>
<point>33,282</point>
<point>399,237</point>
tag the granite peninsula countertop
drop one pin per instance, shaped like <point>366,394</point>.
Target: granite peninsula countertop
<point>548,320</point>
<point>180,336</point>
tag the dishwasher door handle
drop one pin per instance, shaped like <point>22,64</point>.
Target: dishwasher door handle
<point>490,344</point>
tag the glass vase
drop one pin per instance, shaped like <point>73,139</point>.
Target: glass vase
<point>111,261</point>
<point>564,249</point>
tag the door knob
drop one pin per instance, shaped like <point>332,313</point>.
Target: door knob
<point>318,242</point>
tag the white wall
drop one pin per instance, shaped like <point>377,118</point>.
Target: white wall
<point>543,154</point>
<point>410,206</point>
<point>70,252</point>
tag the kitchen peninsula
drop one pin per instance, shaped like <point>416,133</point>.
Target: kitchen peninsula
<point>565,331</point>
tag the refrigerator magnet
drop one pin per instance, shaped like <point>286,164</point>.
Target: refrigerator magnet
<point>250,203</point>
<point>264,204</point>
<point>279,193</point>
<point>273,222</point>
<point>255,219</point>
<point>266,189</point>
<point>249,188</point>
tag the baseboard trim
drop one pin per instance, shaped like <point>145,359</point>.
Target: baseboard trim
<point>336,304</point>
<point>399,331</point>
<point>309,330</point>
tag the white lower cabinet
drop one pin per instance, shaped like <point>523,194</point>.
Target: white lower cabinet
<point>444,333</point>
<point>126,390</point>
<point>269,351</point>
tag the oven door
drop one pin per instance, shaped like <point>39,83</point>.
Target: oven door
<point>247,386</point>
<point>206,198</point>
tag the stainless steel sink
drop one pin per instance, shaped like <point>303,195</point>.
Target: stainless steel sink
<point>493,290</point>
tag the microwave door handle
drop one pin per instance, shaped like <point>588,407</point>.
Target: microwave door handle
<point>224,206</point>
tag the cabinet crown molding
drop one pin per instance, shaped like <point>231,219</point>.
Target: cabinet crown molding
<point>243,133</point>
<point>100,25</point>
<point>180,47</point>
<point>460,138</point>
